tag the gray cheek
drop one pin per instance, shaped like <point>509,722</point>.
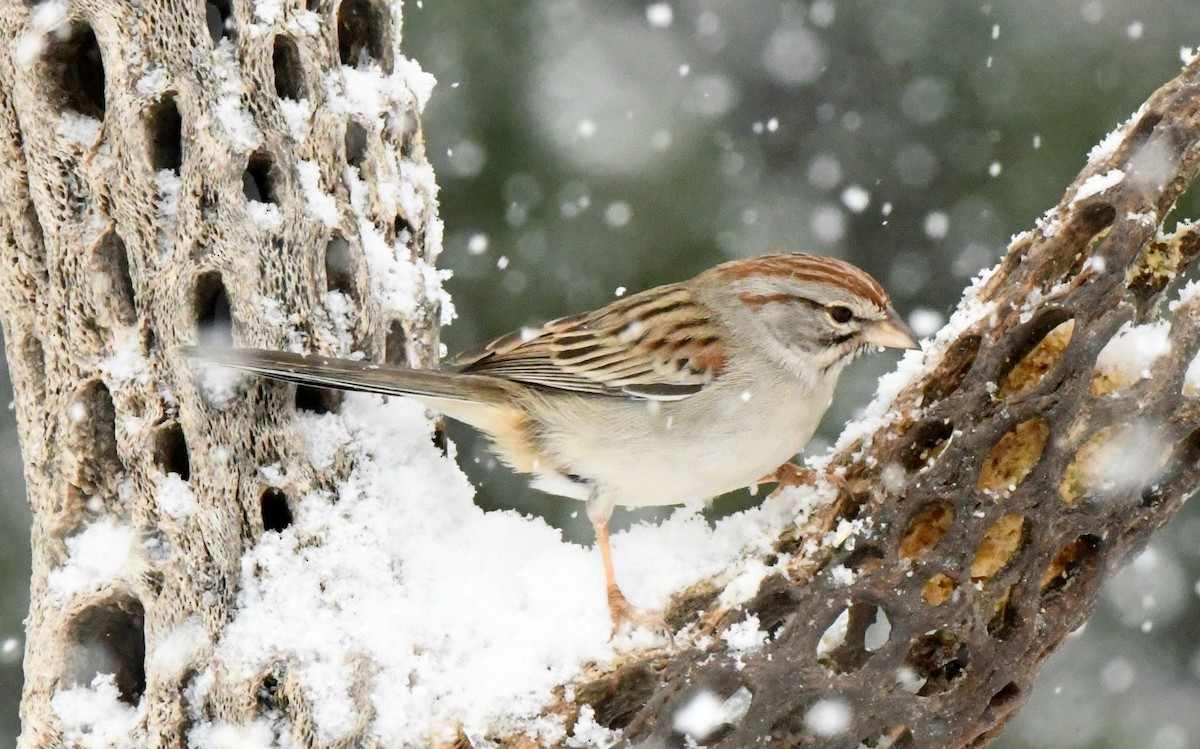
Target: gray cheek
<point>796,327</point>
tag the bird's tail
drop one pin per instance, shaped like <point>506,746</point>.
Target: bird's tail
<point>348,374</point>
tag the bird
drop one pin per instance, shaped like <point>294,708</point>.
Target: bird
<point>673,395</point>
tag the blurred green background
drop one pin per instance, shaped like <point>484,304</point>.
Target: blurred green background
<point>584,147</point>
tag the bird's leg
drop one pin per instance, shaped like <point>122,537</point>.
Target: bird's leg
<point>618,605</point>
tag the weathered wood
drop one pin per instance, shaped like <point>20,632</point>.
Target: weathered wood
<point>171,170</point>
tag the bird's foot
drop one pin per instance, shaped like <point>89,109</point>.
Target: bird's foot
<point>623,611</point>
<point>790,474</point>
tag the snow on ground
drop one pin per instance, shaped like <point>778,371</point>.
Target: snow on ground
<point>469,616</point>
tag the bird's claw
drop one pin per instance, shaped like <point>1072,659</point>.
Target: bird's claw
<point>623,611</point>
<point>790,474</point>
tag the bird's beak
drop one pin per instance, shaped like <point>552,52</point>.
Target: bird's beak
<point>891,333</point>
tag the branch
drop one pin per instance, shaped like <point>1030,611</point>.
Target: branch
<point>1010,470</point>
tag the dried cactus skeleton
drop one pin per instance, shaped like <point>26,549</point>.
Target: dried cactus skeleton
<point>155,185</point>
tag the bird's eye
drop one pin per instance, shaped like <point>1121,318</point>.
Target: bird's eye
<point>839,314</point>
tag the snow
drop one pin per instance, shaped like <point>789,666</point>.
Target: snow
<point>834,635</point>
<point>78,127</point>
<point>828,717</point>
<point>744,635</point>
<point>175,497</point>
<point>1130,354</point>
<point>178,649</point>
<point>1098,183</point>
<point>937,223</point>
<point>152,82</point>
<point>925,322</point>
<point>94,717</point>
<point>126,363</point>
<point>321,205</point>
<point>856,198</point>
<point>46,18</point>
<point>168,183</point>
<point>589,733</point>
<point>264,215</point>
<point>259,734</point>
<point>1191,377</point>
<point>659,15</point>
<point>96,555</point>
<point>237,123</point>
<point>438,570</point>
<point>705,713</point>
<point>298,116</point>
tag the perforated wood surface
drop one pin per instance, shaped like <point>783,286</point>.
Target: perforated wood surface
<point>174,170</point>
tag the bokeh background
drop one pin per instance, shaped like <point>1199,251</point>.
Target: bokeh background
<point>587,147</point>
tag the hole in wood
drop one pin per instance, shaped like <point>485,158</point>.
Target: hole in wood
<point>926,529</point>
<point>859,631</point>
<point>1004,622</point>
<point>214,317</point>
<point>318,400</point>
<point>341,271</point>
<point>938,589</point>
<point>111,279</point>
<point>289,71</point>
<point>276,513</point>
<point>108,638</point>
<point>93,436</point>
<point>395,346</point>
<point>401,230</point>
<point>953,369</point>
<point>218,16</point>
<point>164,133</point>
<point>1116,464</point>
<point>171,450</point>
<point>773,604</point>
<point>258,181</point>
<point>999,544</point>
<point>364,34</point>
<point>1075,557</point>
<point>1013,456</point>
<point>863,560</point>
<point>76,68</point>
<point>1086,227</point>
<point>938,659</point>
<point>1141,132</point>
<point>355,144</point>
<point>1039,345</point>
<point>1006,700</point>
<point>926,442</point>
<point>896,737</point>
<point>268,695</point>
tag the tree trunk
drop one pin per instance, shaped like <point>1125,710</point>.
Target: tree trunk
<point>176,172</point>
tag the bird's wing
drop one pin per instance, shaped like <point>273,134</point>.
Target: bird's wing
<point>662,344</point>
